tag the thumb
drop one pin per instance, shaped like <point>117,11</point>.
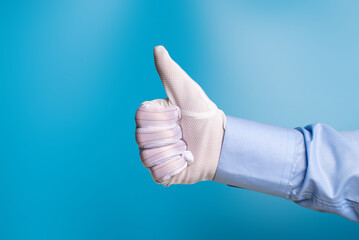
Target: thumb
<point>181,90</point>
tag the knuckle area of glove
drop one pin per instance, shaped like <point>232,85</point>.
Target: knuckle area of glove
<point>159,137</point>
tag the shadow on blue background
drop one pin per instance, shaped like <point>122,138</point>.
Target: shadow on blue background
<point>73,73</point>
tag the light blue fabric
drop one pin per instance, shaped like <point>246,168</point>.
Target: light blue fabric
<point>316,166</point>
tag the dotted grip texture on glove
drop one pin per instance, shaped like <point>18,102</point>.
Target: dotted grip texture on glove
<point>180,137</point>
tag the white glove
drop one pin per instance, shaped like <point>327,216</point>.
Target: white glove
<point>180,137</point>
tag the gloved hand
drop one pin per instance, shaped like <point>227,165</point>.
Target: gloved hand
<point>180,137</point>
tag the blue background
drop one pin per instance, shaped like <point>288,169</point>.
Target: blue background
<point>73,73</point>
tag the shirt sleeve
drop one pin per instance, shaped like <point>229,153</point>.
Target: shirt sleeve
<point>316,166</point>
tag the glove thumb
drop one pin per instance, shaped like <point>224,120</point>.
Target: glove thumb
<point>181,90</point>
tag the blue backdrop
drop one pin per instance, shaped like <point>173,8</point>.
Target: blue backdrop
<point>73,73</point>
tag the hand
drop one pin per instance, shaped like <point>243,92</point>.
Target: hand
<point>180,137</point>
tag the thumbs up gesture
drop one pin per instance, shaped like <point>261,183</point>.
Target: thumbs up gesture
<point>180,137</point>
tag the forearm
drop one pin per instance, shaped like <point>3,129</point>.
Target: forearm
<point>316,167</point>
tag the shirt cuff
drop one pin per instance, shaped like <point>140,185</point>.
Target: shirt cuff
<point>257,156</point>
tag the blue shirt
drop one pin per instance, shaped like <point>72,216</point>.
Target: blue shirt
<point>316,166</point>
